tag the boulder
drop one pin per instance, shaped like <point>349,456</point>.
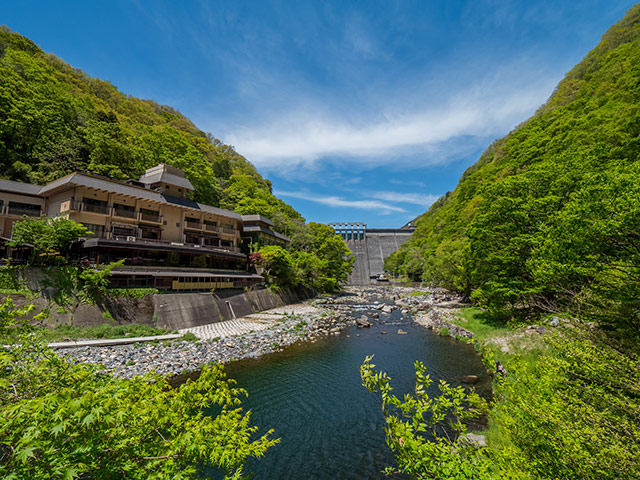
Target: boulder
<point>363,322</point>
<point>469,379</point>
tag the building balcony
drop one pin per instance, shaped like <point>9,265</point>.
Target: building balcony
<point>91,208</point>
<point>211,228</point>
<point>150,217</point>
<point>124,213</point>
<point>229,231</point>
<point>193,225</point>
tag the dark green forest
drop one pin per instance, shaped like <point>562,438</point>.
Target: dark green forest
<point>544,229</point>
<point>55,119</point>
<point>548,219</point>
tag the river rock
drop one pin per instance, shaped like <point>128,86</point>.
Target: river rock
<point>469,379</point>
<point>363,322</point>
<point>474,439</point>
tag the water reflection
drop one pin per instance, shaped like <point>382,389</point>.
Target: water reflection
<point>330,426</point>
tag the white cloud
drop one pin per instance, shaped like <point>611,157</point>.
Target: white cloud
<point>334,201</point>
<point>423,199</point>
<point>436,132</point>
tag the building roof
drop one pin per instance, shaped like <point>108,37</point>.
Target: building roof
<point>257,219</point>
<point>164,173</point>
<point>267,231</point>
<point>20,187</point>
<point>86,180</point>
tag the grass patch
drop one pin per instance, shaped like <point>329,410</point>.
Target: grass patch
<point>480,323</point>
<point>417,293</point>
<point>444,332</point>
<point>189,337</point>
<point>63,333</point>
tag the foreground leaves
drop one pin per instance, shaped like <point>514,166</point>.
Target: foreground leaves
<point>62,421</point>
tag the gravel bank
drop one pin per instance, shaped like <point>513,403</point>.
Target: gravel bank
<point>176,357</point>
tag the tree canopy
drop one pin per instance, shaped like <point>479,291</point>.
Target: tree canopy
<point>55,119</point>
<point>547,219</point>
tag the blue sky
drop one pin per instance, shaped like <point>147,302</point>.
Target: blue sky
<point>356,111</point>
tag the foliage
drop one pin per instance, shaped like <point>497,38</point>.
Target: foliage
<point>51,238</point>
<point>75,421</point>
<point>55,119</point>
<point>547,219</point>
<point>278,266</point>
<point>10,280</point>
<point>321,262</point>
<point>571,413</point>
<point>422,444</point>
<point>73,286</point>
<point>130,292</point>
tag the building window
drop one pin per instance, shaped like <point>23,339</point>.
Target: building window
<point>97,230</point>
<point>18,208</point>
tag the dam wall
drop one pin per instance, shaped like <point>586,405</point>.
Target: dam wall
<point>370,246</point>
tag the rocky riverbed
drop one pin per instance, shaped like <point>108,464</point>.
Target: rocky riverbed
<point>355,305</point>
<point>176,357</point>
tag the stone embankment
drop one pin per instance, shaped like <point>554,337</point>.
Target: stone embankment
<point>433,310</point>
<point>261,333</point>
<point>284,328</point>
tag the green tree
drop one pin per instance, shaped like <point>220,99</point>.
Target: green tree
<point>50,237</point>
<point>61,420</point>
<point>425,444</point>
<point>279,268</point>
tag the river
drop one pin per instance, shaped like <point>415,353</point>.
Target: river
<point>330,426</point>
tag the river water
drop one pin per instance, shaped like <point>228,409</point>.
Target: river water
<point>330,426</point>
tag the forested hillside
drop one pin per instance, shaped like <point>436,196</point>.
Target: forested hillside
<point>548,219</point>
<point>55,119</point>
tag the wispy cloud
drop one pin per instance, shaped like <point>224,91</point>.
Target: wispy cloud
<point>335,201</point>
<point>434,131</point>
<point>423,199</point>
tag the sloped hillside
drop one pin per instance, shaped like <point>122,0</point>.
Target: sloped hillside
<point>548,219</point>
<point>55,119</point>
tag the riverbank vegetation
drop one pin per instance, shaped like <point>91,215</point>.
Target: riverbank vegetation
<point>567,407</point>
<point>547,219</point>
<point>546,223</point>
<point>62,420</point>
<point>320,261</point>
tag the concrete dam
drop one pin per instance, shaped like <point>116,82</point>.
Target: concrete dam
<point>370,247</point>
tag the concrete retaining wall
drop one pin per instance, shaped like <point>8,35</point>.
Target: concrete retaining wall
<point>171,311</point>
<point>185,310</point>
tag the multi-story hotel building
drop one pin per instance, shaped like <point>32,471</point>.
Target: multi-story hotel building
<point>151,223</point>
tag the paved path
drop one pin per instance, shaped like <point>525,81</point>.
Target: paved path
<point>105,342</point>
<point>229,328</point>
<point>249,323</point>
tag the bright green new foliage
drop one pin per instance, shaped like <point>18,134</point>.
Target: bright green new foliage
<point>50,237</point>
<point>423,430</point>
<point>63,421</point>
<point>547,219</point>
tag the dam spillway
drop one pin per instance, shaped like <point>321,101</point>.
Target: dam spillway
<point>370,246</point>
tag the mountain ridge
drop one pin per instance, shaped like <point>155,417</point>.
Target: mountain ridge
<point>501,235</point>
<point>55,119</point>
